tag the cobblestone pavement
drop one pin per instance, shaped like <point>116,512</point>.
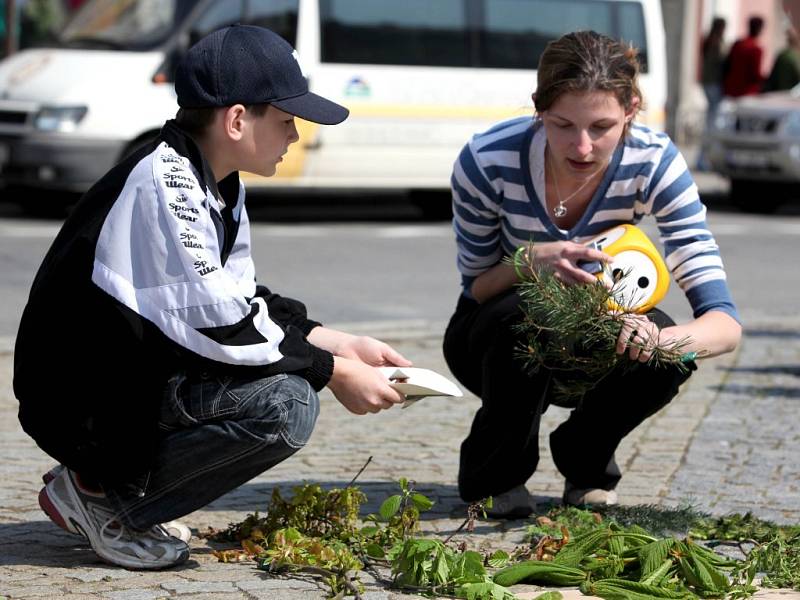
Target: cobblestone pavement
<point>729,442</point>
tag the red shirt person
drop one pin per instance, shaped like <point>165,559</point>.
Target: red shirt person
<point>743,67</point>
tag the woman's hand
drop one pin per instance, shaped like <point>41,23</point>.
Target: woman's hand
<point>711,334</point>
<point>360,388</point>
<point>639,336</point>
<point>562,258</point>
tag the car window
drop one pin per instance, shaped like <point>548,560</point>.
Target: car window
<point>392,32</point>
<point>278,15</point>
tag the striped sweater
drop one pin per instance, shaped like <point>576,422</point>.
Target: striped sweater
<point>498,204</point>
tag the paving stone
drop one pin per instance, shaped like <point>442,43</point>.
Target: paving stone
<point>727,442</point>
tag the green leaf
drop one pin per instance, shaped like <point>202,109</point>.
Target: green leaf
<point>421,502</point>
<point>441,570</point>
<point>551,595</point>
<point>375,551</point>
<point>654,554</point>
<point>488,503</point>
<point>403,484</point>
<point>390,506</point>
<point>369,530</point>
<point>484,590</point>
<point>498,560</point>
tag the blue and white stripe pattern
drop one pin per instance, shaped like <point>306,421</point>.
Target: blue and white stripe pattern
<point>498,191</point>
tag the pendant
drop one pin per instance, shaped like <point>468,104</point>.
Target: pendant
<point>560,211</point>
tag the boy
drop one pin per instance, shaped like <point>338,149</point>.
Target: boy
<point>148,362</point>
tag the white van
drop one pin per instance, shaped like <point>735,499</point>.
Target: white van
<point>419,76</point>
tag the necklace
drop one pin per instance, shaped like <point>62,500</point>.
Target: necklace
<point>561,210</point>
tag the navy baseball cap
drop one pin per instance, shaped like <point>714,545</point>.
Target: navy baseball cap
<point>244,64</point>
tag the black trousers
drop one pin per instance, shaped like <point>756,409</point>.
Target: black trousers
<point>502,449</point>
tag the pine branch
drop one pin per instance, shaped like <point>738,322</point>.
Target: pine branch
<point>571,331</point>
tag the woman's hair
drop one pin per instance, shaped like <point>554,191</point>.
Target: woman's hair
<point>587,61</point>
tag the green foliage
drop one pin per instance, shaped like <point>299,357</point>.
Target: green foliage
<point>606,552</point>
<point>570,331</point>
<point>623,555</point>
<point>318,532</point>
<point>315,512</point>
<point>779,561</point>
<point>741,527</point>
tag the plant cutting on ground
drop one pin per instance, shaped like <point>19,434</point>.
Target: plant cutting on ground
<point>617,553</point>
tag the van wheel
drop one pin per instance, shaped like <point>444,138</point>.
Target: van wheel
<point>434,205</point>
<point>756,196</point>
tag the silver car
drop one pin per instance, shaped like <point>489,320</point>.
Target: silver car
<point>755,141</point>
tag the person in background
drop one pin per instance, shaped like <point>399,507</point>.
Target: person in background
<point>785,72</point>
<point>713,59</point>
<point>743,75</point>
<point>539,188</point>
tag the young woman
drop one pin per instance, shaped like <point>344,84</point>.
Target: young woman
<point>579,167</point>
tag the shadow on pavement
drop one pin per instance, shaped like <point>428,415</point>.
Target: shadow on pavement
<point>771,370</point>
<point>759,391</point>
<point>773,333</point>
<point>253,497</point>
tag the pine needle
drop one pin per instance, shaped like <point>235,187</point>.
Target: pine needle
<point>570,331</point>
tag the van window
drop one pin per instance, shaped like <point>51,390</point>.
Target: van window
<point>125,24</point>
<point>515,32</point>
<point>215,16</point>
<point>278,15</point>
<point>392,32</point>
<point>503,34</point>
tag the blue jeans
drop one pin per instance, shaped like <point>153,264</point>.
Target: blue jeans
<point>217,434</point>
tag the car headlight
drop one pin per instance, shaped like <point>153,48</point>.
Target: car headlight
<point>726,116</point>
<point>791,124</point>
<point>59,118</point>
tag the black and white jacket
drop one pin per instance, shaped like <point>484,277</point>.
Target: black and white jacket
<point>151,275</point>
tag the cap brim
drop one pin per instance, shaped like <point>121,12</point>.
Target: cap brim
<point>313,108</point>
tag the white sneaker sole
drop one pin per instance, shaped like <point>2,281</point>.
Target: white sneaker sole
<point>175,528</point>
<point>71,520</point>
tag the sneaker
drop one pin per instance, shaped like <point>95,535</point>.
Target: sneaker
<point>588,496</point>
<point>174,528</point>
<point>90,515</point>
<point>516,503</point>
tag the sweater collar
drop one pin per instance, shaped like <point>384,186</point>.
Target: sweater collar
<point>182,142</point>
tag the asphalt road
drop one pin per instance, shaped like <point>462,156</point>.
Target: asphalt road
<point>366,262</point>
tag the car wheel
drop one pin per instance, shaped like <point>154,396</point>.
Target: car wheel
<point>756,196</point>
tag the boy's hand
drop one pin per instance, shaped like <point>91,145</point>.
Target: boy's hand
<point>371,351</point>
<point>358,347</point>
<point>360,388</point>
